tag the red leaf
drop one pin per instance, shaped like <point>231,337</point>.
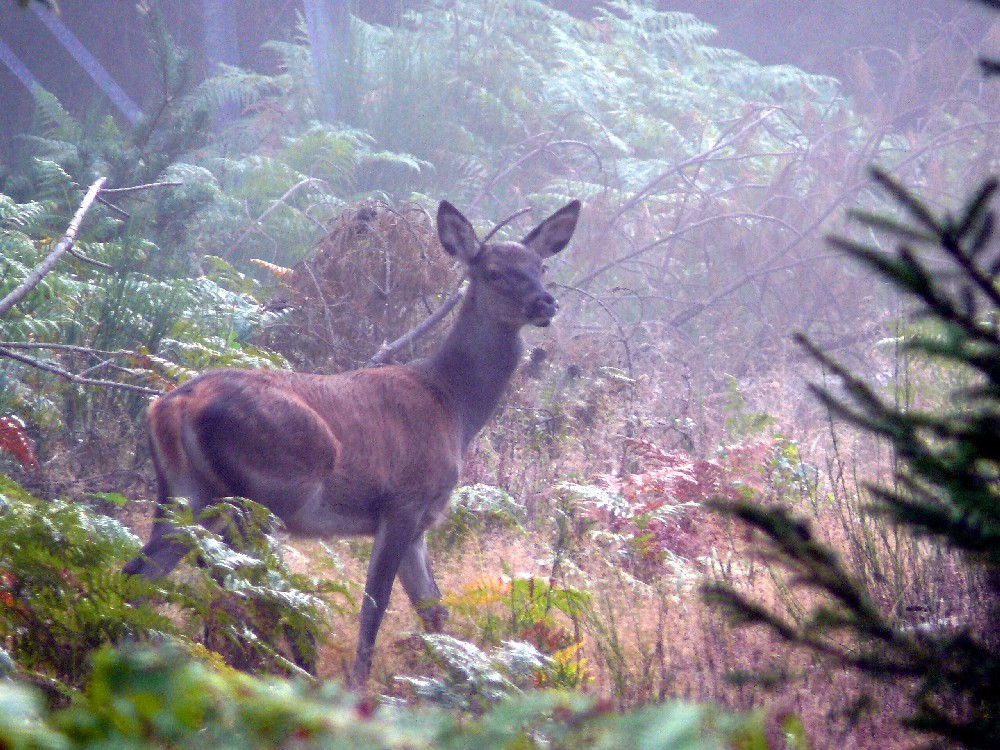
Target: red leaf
<point>15,440</point>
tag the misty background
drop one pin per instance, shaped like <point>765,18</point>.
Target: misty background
<point>875,48</point>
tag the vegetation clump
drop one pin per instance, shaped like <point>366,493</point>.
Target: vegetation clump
<point>376,274</point>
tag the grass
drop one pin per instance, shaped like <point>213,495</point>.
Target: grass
<point>646,634</point>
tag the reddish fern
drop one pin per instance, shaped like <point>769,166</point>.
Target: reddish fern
<point>664,497</point>
<point>14,440</point>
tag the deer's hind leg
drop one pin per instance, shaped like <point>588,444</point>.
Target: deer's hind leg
<point>162,552</point>
<point>418,581</point>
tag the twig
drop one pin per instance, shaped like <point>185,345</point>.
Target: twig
<point>720,144</point>
<point>544,148</point>
<point>35,277</point>
<point>120,211</point>
<point>65,348</point>
<point>388,350</point>
<point>279,202</point>
<point>73,378</point>
<point>87,259</point>
<point>677,234</point>
<point>764,268</point>
<point>614,319</point>
<point>95,368</point>
<point>137,188</point>
<point>502,224</point>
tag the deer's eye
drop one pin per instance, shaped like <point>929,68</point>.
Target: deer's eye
<point>494,275</point>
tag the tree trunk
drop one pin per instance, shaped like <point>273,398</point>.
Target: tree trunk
<point>328,23</point>
<point>221,47</point>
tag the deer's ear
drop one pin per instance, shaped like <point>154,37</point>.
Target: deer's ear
<point>553,234</point>
<point>456,234</point>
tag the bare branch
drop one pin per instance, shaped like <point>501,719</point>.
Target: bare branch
<point>590,276</point>
<point>548,141</point>
<point>120,211</point>
<point>74,378</point>
<point>622,336</point>
<point>66,348</point>
<point>436,317</point>
<point>279,202</point>
<point>137,188</point>
<point>87,259</point>
<point>502,224</point>
<point>35,277</point>
<point>645,191</point>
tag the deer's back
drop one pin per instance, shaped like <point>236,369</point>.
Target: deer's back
<point>353,442</point>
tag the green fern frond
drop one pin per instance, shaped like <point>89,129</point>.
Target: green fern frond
<point>53,118</point>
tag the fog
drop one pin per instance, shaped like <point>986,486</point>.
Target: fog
<point>715,146</point>
<point>194,186</point>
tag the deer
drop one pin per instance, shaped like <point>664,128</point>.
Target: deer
<point>371,452</point>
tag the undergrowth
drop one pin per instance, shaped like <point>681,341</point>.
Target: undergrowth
<point>63,595</point>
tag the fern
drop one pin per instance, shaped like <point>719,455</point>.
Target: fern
<point>54,121</point>
<point>62,595</point>
<point>256,601</point>
<point>474,679</point>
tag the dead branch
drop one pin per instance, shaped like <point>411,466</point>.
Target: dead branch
<point>502,224</point>
<point>432,320</point>
<point>87,259</point>
<point>137,188</point>
<point>279,202</point>
<point>35,277</point>
<point>616,262</point>
<point>75,348</point>
<point>545,148</point>
<point>120,211</point>
<point>622,336</point>
<point>74,378</point>
<point>650,187</point>
<point>769,266</point>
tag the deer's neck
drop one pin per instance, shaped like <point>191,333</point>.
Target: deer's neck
<point>475,365</point>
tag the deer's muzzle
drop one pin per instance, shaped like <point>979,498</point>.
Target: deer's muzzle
<point>542,309</point>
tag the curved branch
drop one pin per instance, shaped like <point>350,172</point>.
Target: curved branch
<point>137,188</point>
<point>680,233</point>
<point>279,202</point>
<point>650,186</point>
<point>72,377</point>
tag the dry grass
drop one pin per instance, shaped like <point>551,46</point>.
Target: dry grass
<point>647,634</point>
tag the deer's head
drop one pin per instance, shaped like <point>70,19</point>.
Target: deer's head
<point>506,277</point>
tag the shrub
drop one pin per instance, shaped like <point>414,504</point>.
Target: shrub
<point>63,596</point>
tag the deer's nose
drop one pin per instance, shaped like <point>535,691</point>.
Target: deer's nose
<point>542,309</point>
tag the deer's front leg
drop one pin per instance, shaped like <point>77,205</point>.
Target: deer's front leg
<point>161,553</point>
<point>394,536</point>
